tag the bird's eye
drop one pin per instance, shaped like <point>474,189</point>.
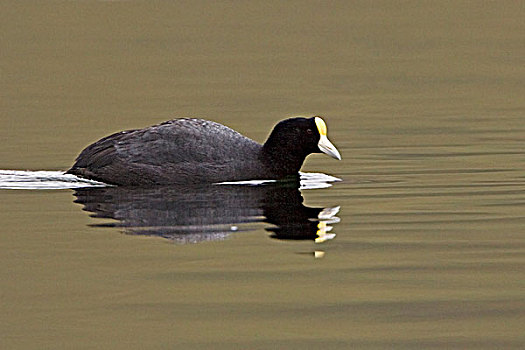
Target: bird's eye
<point>309,131</point>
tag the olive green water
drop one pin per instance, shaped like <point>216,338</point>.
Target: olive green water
<point>425,101</point>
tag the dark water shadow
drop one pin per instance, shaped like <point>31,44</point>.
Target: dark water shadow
<point>208,213</point>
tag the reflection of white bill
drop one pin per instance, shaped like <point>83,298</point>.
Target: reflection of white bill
<point>329,213</point>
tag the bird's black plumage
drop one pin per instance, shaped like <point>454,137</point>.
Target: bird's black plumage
<point>192,150</point>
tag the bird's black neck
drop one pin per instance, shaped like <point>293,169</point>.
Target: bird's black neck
<point>282,160</point>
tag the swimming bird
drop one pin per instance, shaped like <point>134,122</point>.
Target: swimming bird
<point>193,151</point>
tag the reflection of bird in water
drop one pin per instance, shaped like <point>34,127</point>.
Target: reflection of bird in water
<point>212,212</point>
<point>185,151</point>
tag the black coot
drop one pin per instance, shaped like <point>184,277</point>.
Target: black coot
<point>187,150</point>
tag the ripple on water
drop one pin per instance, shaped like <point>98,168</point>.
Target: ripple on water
<point>43,180</point>
<point>57,180</point>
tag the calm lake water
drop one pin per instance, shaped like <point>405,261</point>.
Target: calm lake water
<point>425,101</point>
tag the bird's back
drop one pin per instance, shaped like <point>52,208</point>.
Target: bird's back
<point>177,151</point>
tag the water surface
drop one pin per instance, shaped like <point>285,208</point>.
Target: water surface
<point>424,101</point>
